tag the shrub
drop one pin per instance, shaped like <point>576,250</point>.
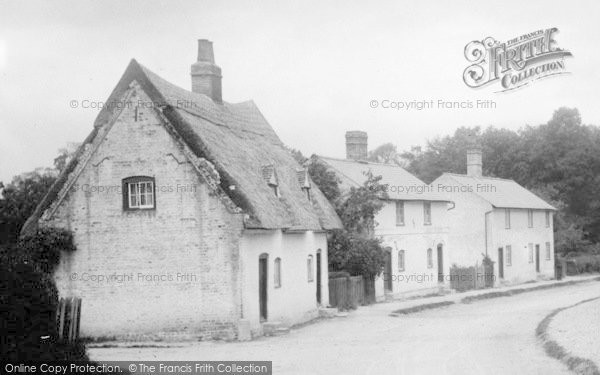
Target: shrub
<point>42,247</point>
<point>29,298</point>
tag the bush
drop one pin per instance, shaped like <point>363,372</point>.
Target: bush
<point>43,247</point>
<point>587,263</point>
<point>29,298</point>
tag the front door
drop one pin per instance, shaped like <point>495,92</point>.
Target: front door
<point>319,277</point>
<point>387,275</point>
<point>501,262</point>
<point>440,262</point>
<point>262,286</point>
<point>537,258</point>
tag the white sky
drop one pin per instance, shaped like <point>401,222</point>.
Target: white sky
<point>312,67</point>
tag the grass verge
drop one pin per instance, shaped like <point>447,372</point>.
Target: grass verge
<point>576,364</point>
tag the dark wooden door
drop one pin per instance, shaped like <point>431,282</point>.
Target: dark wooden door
<point>537,258</point>
<point>262,286</point>
<point>387,275</point>
<point>440,263</point>
<point>319,277</point>
<point>501,263</point>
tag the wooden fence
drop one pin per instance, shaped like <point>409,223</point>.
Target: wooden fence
<point>467,278</point>
<point>347,292</point>
<point>68,315</point>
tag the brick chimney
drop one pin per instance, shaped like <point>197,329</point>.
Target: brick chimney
<point>474,163</point>
<point>356,145</point>
<point>206,76</point>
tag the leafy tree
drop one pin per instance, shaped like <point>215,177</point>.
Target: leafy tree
<point>361,205</point>
<point>297,155</point>
<point>352,249</point>
<point>19,200</point>
<point>325,179</point>
<point>386,154</point>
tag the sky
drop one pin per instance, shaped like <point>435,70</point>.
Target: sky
<point>312,67</point>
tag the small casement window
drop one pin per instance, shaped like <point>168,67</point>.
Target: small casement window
<point>547,219</point>
<point>429,258</point>
<point>508,255</point>
<point>309,269</point>
<point>530,253</point>
<point>548,251</point>
<point>530,218</point>
<point>427,213</point>
<point>399,213</point>
<point>304,181</point>
<point>401,260</point>
<point>507,218</point>
<point>138,193</point>
<point>270,176</point>
<point>277,273</point>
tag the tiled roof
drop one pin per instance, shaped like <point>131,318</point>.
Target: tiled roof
<point>501,193</point>
<point>401,185</point>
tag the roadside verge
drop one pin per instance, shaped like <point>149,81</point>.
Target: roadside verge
<point>555,350</point>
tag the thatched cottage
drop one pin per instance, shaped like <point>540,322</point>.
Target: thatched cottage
<point>189,215</point>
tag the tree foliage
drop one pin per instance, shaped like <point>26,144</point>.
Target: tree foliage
<point>19,200</point>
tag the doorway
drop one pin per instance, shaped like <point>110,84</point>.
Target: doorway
<point>501,262</point>
<point>262,285</point>
<point>387,274</point>
<point>319,277</point>
<point>537,258</point>
<point>440,263</point>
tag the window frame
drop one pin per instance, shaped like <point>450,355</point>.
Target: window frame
<point>508,255</point>
<point>126,185</point>
<point>427,213</point>
<point>547,219</point>
<point>277,272</point>
<point>401,260</point>
<point>548,251</point>
<point>400,213</point>
<point>507,218</point>
<point>530,218</point>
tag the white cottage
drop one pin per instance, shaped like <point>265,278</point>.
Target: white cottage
<point>412,223</point>
<point>189,215</point>
<point>501,219</point>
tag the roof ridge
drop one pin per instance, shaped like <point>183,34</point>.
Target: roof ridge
<point>362,162</point>
<point>482,177</point>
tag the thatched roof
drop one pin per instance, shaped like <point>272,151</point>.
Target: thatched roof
<point>237,140</point>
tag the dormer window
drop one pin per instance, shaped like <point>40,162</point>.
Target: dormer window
<point>138,193</point>
<point>304,182</point>
<point>270,176</point>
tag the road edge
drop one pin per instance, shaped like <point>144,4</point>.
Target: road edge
<point>553,349</point>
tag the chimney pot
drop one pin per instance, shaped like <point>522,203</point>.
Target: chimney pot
<point>356,145</point>
<point>205,51</point>
<point>474,162</point>
<point>206,75</point>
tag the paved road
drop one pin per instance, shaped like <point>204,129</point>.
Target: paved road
<point>496,336</point>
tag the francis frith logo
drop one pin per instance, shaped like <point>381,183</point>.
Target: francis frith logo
<point>514,63</point>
